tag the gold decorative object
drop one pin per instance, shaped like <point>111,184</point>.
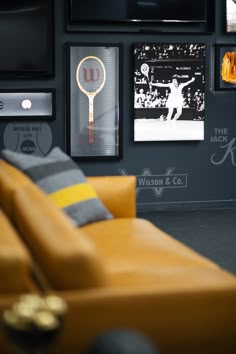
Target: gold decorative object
<point>33,321</point>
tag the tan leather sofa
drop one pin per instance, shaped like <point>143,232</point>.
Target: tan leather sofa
<point>119,273</point>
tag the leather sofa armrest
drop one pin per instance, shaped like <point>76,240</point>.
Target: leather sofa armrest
<point>16,268</point>
<point>118,194</point>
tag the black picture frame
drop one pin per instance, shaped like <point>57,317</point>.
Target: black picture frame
<point>230,16</point>
<point>169,91</point>
<point>224,55</point>
<point>94,101</point>
<point>28,104</point>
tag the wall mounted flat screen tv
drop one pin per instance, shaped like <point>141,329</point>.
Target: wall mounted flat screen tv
<point>26,38</point>
<point>137,10</point>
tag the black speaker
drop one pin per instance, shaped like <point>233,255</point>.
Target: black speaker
<point>121,341</point>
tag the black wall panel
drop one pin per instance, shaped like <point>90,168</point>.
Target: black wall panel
<point>170,174</point>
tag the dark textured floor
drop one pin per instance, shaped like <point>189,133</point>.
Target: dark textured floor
<point>211,232</point>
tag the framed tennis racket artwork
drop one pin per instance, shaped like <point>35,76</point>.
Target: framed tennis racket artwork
<point>93,101</point>
<point>169,91</point>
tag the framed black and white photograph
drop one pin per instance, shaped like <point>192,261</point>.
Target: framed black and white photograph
<point>94,101</point>
<point>225,67</point>
<point>230,11</point>
<point>169,91</point>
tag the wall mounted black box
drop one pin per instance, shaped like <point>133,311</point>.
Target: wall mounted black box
<point>26,39</point>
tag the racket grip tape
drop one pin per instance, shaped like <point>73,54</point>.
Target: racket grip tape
<point>91,137</point>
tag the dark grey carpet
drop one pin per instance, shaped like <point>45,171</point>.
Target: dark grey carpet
<point>210,232</point>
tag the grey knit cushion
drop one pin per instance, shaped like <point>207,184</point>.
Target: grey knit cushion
<point>65,183</point>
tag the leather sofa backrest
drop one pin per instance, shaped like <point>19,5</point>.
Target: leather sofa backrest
<point>11,179</point>
<point>63,252</point>
<point>16,266</point>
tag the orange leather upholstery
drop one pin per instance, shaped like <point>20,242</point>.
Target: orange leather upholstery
<point>15,261</point>
<point>67,257</point>
<point>11,179</point>
<point>120,273</point>
<point>122,203</point>
<point>182,321</point>
<point>137,244</point>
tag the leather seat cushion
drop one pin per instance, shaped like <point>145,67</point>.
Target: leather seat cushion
<point>136,253</point>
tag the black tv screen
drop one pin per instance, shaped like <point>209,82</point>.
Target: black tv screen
<point>26,37</point>
<point>137,10</point>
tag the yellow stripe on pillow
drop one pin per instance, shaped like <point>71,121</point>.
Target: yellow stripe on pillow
<point>73,194</point>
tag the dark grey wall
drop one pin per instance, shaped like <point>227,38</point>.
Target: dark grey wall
<point>185,174</point>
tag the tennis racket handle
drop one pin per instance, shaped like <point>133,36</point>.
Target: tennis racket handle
<point>91,98</point>
<point>91,137</point>
<point>91,117</point>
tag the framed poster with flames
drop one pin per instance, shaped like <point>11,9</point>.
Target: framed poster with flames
<point>93,121</point>
<point>225,67</point>
<point>169,91</point>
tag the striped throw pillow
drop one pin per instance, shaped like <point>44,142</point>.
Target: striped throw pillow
<point>65,183</point>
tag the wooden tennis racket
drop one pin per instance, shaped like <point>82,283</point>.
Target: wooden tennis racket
<point>91,77</point>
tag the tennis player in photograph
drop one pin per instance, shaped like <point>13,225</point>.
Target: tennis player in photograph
<point>175,99</point>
